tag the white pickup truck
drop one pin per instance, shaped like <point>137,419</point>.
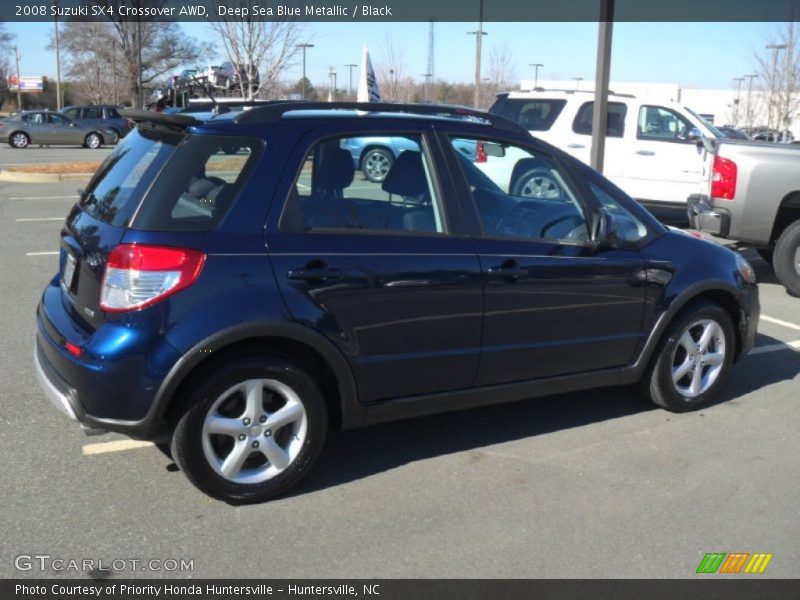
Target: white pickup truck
<point>654,149</point>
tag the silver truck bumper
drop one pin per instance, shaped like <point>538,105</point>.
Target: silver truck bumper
<point>704,217</point>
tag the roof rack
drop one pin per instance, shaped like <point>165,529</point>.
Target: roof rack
<point>275,111</point>
<point>156,118</point>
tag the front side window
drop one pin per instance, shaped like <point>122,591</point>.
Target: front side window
<point>629,228</point>
<point>662,124</point>
<point>72,113</point>
<point>93,112</point>
<point>331,190</point>
<point>34,118</point>
<point>520,193</point>
<point>615,127</point>
<point>58,119</point>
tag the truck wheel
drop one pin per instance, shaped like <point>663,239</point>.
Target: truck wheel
<point>766,254</point>
<point>787,258</point>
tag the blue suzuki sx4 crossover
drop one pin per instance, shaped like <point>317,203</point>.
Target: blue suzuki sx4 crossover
<point>233,287</point>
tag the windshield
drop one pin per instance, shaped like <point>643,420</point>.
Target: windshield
<point>714,131</point>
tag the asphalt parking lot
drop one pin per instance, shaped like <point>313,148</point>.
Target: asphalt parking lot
<point>593,484</point>
<point>10,157</point>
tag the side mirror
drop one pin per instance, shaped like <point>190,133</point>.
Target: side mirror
<point>605,230</point>
<point>694,135</point>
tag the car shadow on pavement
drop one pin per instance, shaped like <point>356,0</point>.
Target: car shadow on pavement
<point>356,454</point>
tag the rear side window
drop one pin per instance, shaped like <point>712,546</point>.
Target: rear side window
<point>93,112</point>
<point>616,119</point>
<point>198,185</point>
<point>72,113</point>
<point>533,115</point>
<point>112,113</point>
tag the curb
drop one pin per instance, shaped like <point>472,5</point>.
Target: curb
<point>25,177</point>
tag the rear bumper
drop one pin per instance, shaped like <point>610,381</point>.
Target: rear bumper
<point>704,217</point>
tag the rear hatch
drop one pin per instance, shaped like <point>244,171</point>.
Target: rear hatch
<point>99,220</point>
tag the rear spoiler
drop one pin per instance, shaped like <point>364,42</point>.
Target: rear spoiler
<point>175,120</point>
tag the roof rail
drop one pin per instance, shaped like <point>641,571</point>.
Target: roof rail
<point>157,118</point>
<point>276,110</point>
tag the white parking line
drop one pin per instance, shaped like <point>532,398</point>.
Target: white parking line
<point>779,322</point>
<point>117,446</point>
<point>41,219</point>
<point>775,347</point>
<point>44,197</point>
<point>41,253</point>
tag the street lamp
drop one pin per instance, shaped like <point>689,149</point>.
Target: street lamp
<point>536,74</point>
<point>577,83</point>
<point>304,47</point>
<point>749,111</point>
<point>350,87</point>
<point>773,76</point>
<point>19,83</point>
<point>58,62</point>
<point>332,76</point>
<point>479,33</point>
<point>738,81</point>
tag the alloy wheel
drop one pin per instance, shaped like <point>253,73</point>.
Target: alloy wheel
<point>698,358</point>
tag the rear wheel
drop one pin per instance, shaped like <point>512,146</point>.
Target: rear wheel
<point>19,140</point>
<point>693,360</point>
<point>252,430</point>
<point>537,183</point>
<point>787,258</point>
<point>376,164</point>
<point>93,141</point>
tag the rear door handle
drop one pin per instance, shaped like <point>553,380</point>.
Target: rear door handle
<point>315,274</point>
<point>510,270</point>
<point>645,153</point>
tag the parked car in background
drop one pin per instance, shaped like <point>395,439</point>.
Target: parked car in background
<point>434,291</point>
<point>754,198</point>
<point>374,156</point>
<point>101,116</point>
<point>764,134</point>
<point>236,76</point>
<point>732,133</point>
<point>186,76</point>
<point>52,128</point>
<point>654,149</point>
<point>213,75</point>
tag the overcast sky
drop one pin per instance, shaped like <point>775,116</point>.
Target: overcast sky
<point>690,54</point>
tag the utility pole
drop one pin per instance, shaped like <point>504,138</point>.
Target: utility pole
<point>350,86</point>
<point>774,94</point>
<point>577,83</point>
<point>332,76</point>
<point>426,85</point>
<point>139,91</point>
<point>536,74</point>
<point>304,47</point>
<point>58,64</point>
<point>749,111</point>
<point>736,104</point>
<point>601,82</point>
<point>114,67</point>
<point>393,80</point>
<point>479,33</point>
<point>19,82</point>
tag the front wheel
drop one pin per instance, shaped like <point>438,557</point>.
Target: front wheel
<point>786,258</point>
<point>252,430</point>
<point>93,141</point>
<point>376,164</point>
<point>692,362</point>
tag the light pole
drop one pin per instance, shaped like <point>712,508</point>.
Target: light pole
<point>139,91</point>
<point>479,33</point>
<point>536,74</point>
<point>773,76</point>
<point>426,85</point>
<point>577,83</point>
<point>749,111</point>
<point>332,77</point>
<point>58,64</point>
<point>738,81</point>
<point>19,83</point>
<point>304,47</point>
<point>393,79</point>
<point>114,67</point>
<point>350,86</point>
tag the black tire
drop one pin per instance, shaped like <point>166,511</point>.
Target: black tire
<point>787,258</point>
<point>383,160</point>
<point>93,141</point>
<point>537,183</point>
<point>766,254</point>
<point>19,140</point>
<point>187,447</point>
<point>658,383</point>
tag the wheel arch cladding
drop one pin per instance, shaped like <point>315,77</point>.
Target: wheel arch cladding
<point>788,213</point>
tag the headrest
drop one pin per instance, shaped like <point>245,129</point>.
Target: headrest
<point>334,170</point>
<point>419,220</point>
<point>407,175</point>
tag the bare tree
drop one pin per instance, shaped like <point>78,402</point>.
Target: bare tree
<point>778,67</point>
<point>264,50</point>
<point>5,65</point>
<point>393,80</point>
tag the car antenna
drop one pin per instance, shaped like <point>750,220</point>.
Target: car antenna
<point>217,108</point>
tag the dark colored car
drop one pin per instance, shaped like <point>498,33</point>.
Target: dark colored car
<point>237,76</point>
<point>103,116</point>
<point>732,133</point>
<point>229,286</point>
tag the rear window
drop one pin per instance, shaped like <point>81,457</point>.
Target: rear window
<point>187,182</point>
<point>615,127</point>
<point>533,115</point>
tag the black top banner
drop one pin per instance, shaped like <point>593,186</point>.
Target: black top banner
<point>399,10</point>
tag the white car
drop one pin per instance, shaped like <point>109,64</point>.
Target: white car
<point>213,75</point>
<point>654,149</point>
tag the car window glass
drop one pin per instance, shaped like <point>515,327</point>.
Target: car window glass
<point>366,183</point>
<point>34,119</point>
<point>93,112</point>
<point>629,228</point>
<point>519,193</point>
<point>533,115</point>
<point>72,113</point>
<point>662,124</point>
<point>112,113</point>
<point>615,127</point>
<point>58,120</point>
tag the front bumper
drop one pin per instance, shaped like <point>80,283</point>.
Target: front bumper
<point>748,322</point>
<point>704,217</point>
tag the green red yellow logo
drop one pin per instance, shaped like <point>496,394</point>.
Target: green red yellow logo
<point>734,562</point>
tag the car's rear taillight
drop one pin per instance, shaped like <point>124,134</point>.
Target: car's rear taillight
<point>139,275</point>
<point>480,153</point>
<point>723,179</point>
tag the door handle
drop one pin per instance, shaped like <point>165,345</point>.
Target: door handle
<point>510,270</point>
<point>314,274</point>
<point>645,153</point>
<point>576,146</point>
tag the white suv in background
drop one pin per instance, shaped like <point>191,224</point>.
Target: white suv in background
<point>654,149</point>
